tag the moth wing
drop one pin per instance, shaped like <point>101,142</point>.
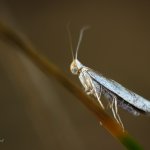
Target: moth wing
<point>118,89</point>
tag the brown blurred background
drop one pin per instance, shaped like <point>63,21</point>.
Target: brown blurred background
<point>36,113</point>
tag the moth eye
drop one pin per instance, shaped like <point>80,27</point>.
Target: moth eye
<point>74,70</point>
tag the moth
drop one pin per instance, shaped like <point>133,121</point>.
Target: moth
<point>96,84</point>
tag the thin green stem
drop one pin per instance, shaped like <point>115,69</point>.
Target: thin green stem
<point>15,38</point>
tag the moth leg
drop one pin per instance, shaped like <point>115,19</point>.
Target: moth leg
<point>112,109</point>
<point>90,92</point>
<point>116,111</point>
<point>87,90</point>
<point>100,92</point>
<point>108,105</point>
<point>98,96</point>
<point>88,86</point>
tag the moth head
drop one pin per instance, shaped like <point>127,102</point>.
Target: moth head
<point>75,67</point>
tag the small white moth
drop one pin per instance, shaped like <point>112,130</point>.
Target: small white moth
<point>96,84</point>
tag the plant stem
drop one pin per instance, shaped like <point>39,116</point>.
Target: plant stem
<point>15,38</point>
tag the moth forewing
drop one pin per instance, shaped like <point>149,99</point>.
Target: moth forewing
<point>127,95</point>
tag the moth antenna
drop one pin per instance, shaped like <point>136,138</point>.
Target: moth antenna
<point>70,40</point>
<point>80,39</point>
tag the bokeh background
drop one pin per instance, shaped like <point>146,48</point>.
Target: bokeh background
<point>36,113</point>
